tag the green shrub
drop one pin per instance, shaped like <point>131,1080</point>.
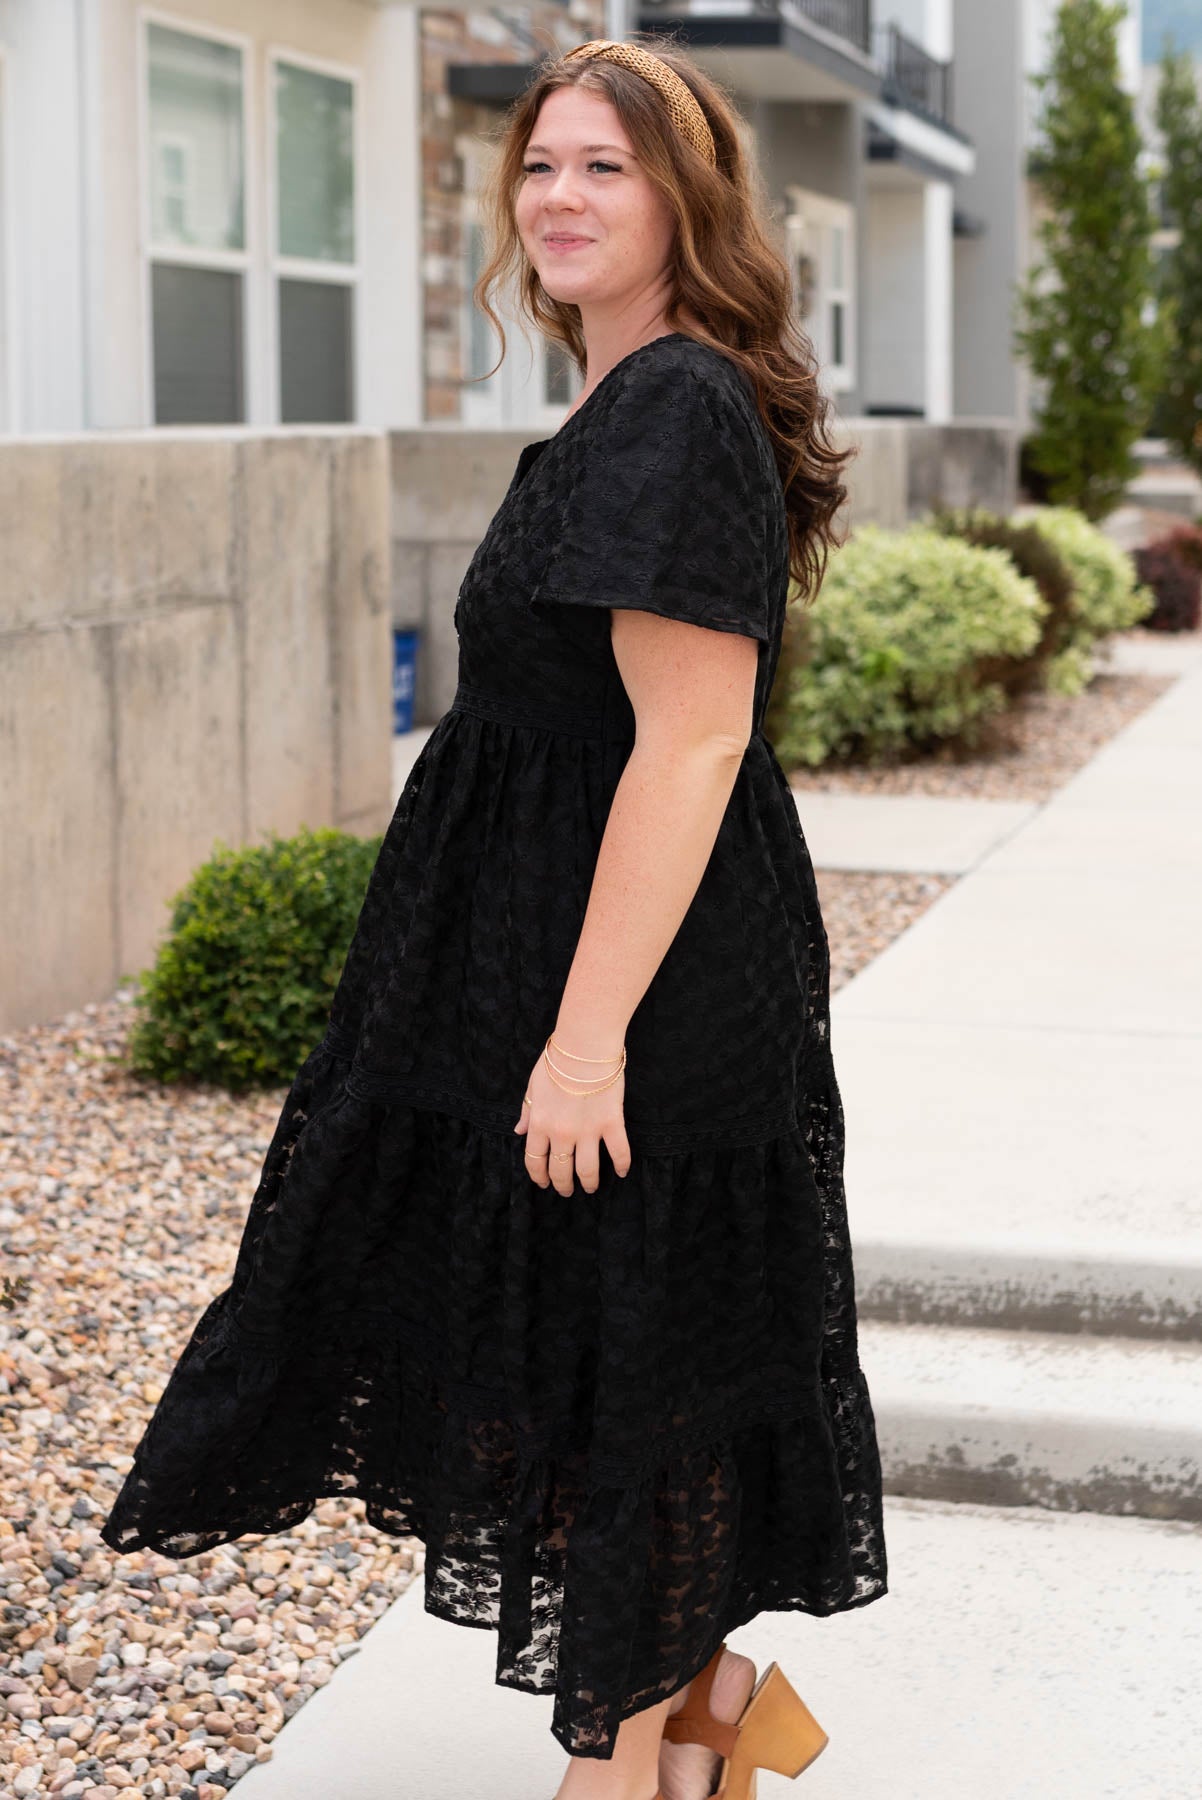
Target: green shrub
<point>1035,556</point>
<point>898,645</point>
<point>1107,595</point>
<point>242,984</point>
<point>794,648</point>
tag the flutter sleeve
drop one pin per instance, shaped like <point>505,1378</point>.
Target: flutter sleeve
<point>666,509</point>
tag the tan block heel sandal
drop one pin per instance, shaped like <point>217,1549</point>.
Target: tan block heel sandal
<point>776,1730</point>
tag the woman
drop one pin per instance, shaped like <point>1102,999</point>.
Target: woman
<point>600,1352</point>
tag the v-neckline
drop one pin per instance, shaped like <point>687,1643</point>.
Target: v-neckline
<point>525,458</point>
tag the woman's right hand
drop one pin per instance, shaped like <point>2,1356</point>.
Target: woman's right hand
<point>556,1122</point>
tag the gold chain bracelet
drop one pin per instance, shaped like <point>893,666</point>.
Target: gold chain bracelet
<point>580,1078</point>
<point>579,1090</point>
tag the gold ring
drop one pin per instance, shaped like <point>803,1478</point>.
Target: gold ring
<point>562,1155</point>
<point>537,1154</point>
<point>528,1100</point>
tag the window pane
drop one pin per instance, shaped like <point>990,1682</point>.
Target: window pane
<point>838,344</point>
<point>316,358</point>
<point>557,376</point>
<point>197,346</point>
<point>315,165</point>
<point>481,352</point>
<point>838,237</point>
<point>196,148</point>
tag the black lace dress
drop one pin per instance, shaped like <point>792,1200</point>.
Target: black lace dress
<point>626,1422</point>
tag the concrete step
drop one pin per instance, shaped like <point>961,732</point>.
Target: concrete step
<point>1153,452</point>
<point>1170,487</point>
<point>1018,1655</point>
<point>1142,652</point>
<point>1152,1293</point>
<point>1008,1175</point>
<point>1020,1070</point>
<point>1021,1418</point>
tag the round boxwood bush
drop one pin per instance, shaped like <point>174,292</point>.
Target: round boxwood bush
<point>1107,595</point>
<point>1033,555</point>
<point>898,646</point>
<point>241,988</point>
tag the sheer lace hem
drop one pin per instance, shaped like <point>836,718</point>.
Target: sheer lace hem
<point>621,1427</point>
<point>607,1597</point>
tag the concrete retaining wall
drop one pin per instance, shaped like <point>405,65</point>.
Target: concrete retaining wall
<point>194,645</point>
<point>447,484</point>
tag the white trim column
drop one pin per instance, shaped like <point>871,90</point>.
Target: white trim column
<point>938,293</point>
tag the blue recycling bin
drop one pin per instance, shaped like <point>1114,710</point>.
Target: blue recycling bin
<point>404,678</point>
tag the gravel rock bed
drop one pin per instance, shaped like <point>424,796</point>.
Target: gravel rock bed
<point>864,912</point>
<point>1031,750</point>
<point>122,1204</point>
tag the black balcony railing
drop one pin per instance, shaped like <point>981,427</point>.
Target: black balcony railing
<point>850,19</point>
<point>914,77</point>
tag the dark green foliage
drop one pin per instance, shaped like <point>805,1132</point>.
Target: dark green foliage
<point>241,988</point>
<point>1172,567</point>
<point>1080,313</point>
<point>1032,481</point>
<point>1035,557</point>
<point>1179,116</point>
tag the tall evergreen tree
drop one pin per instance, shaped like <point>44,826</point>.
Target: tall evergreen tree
<point>1179,116</point>
<point>1085,318</point>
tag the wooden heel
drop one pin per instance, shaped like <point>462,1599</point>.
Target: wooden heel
<point>777,1731</point>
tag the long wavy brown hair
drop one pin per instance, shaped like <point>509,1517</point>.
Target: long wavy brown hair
<point>725,273</point>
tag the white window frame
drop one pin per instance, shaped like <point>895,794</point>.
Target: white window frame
<point>481,403</point>
<point>809,223</point>
<point>243,260</point>
<point>9,401</point>
<point>301,268</point>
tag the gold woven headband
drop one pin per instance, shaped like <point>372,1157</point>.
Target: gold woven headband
<point>678,97</point>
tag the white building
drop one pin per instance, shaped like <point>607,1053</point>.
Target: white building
<point>208,213</point>
<point>264,211</point>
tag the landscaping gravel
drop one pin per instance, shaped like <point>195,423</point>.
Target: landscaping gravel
<point>122,1203</point>
<point>1031,750</point>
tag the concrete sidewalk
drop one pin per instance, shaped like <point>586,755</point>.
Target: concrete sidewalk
<point>1021,1068</point>
<point>1019,1655</point>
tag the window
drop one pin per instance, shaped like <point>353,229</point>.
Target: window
<point>559,377</point>
<point>820,245</point>
<point>195,160</point>
<point>315,241</point>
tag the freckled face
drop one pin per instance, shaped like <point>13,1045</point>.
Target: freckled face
<point>594,226</point>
